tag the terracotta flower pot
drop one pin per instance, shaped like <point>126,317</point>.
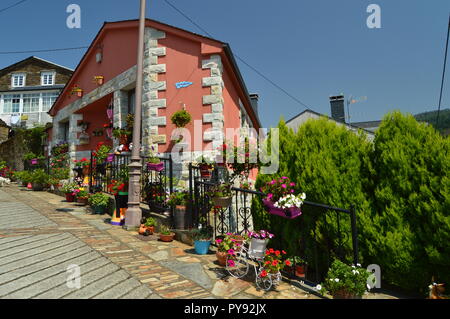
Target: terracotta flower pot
<point>221,257</point>
<point>167,238</point>
<point>142,229</point>
<point>150,229</point>
<point>344,294</point>
<point>300,270</point>
<point>82,200</point>
<point>86,170</point>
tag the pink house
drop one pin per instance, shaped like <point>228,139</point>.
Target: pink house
<point>181,70</point>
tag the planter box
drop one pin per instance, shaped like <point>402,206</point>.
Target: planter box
<point>37,187</point>
<point>155,167</point>
<point>289,213</point>
<point>69,197</point>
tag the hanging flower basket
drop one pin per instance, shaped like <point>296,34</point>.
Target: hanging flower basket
<point>289,213</point>
<point>156,167</point>
<point>99,79</point>
<point>205,170</point>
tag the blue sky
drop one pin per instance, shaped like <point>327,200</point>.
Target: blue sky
<point>311,48</point>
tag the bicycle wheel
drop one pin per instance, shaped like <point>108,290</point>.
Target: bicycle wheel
<point>237,265</point>
<point>264,283</point>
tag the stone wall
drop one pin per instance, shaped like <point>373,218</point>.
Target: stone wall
<point>12,151</point>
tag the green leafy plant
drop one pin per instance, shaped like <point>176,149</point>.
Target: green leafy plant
<point>99,199</point>
<point>202,234</point>
<point>179,198</point>
<point>181,118</point>
<point>39,176</point>
<point>165,230</point>
<point>150,221</point>
<point>221,190</point>
<point>342,278</point>
<point>68,188</point>
<point>229,242</point>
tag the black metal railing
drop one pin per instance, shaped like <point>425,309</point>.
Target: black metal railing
<point>156,186</point>
<point>327,232</point>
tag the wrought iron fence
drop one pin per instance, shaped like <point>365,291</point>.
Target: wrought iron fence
<point>156,186</point>
<point>328,232</point>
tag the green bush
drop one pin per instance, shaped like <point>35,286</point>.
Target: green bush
<point>39,176</point>
<point>400,185</point>
<point>409,235</point>
<point>99,199</point>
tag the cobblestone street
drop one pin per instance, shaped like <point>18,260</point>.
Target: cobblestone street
<point>41,234</point>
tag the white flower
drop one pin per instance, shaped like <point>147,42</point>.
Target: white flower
<point>318,287</point>
<point>337,279</point>
<point>359,265</point>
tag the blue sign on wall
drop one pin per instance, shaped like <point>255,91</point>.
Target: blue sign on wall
<point>183,84</point>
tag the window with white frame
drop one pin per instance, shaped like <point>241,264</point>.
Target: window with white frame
<point>31,103</point>
<point>11,103</point>
<point>18,80</point>
<point>47,100</point>
<point>47,78</point>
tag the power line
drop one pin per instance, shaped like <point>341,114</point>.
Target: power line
<point>44,50</point>
<point>12,6</point>
<point>241,59</point>
<point>443,73</point>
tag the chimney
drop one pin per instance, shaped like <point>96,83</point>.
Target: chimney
<point>254,100</point>
<point>337,108</point>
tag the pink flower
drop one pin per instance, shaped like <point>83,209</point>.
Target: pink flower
<point>292,184</point>
<point>269,196</point>
<point>283,185</point>
<point>284,177</point>
<point>231,251</point>
<point>218,241</point>
<point>231,263</point>
<point>272,182</point>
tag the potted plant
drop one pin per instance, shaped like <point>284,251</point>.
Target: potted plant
<point>99,157</point>
<point>227,245</point>
<point>99,79</point>
<point>23,176</point>
<point>181,118</point>
<point>84,165</point>
<point>221,195</point>
<point>154,162</point>
<point>76,90</point>
<point>258,242</point>
<point>81,195</point>
<point>39,179</point>
<point>345,282</point>
<point>165,234</point>
<point>280,199</point>
<point>272,265</point>
<point>300,266</point>
<point>179,200</point>
<point>202,239</point>
<point>205,166</point>
<point>99,202</point>
<point>68,190</point>
<point>148,227</point>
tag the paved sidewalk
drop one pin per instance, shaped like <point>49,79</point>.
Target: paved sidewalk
<point>41,234</point>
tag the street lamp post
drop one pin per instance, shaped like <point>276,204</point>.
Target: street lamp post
<point>134,213</point>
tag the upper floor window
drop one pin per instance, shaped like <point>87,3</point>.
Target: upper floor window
<point>18,80</point>
<point>47,78</point>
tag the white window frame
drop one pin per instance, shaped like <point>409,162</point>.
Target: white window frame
<point>43,76</point>
<point>14,75</point>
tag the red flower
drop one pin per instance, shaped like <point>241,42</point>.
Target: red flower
<point>263,273</point>
<point>275,262</point>
<point>288,263</point>
<point>271,250</point>
<point>277,253</point>
<point>284,253</point>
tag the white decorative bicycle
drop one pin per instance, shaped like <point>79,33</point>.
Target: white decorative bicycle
<point>238,264</point>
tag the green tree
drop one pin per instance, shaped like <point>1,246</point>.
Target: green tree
<point>410,232</point>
